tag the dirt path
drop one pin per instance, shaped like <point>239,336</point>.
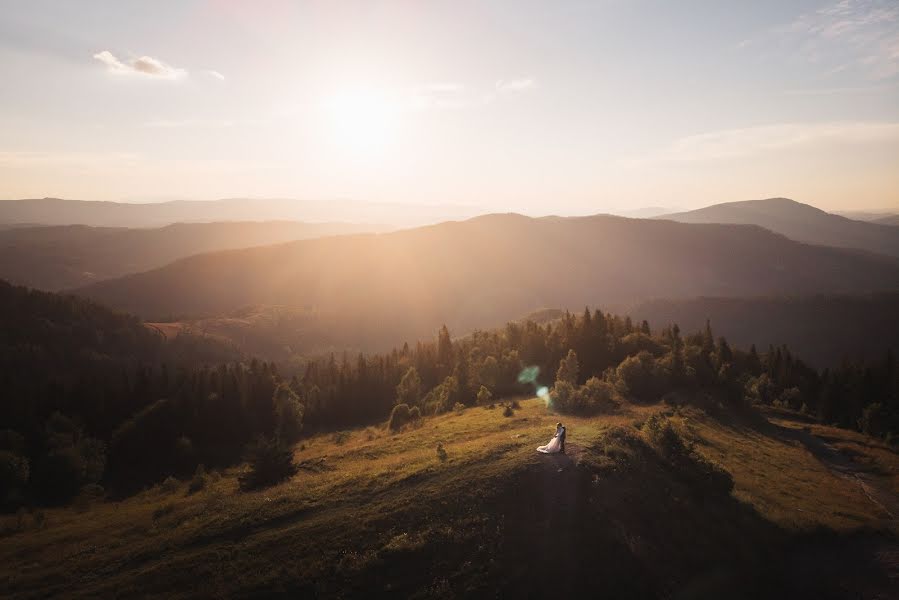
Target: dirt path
<point>843,466</point>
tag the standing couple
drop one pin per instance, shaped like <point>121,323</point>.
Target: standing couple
<point>557,444</point>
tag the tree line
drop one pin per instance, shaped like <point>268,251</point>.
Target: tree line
<point>93,397</point>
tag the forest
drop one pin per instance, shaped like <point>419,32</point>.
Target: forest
<point>96,401</point>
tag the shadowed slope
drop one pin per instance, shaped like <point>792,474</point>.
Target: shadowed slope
<point>55,258</point>
<point>382,289</point>
<point>384,514</point>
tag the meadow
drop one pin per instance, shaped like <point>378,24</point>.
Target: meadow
<point>486,514</point>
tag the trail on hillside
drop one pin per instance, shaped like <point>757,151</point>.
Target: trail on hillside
<point>843,466</point>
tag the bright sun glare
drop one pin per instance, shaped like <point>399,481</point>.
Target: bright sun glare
<point>363,121</point>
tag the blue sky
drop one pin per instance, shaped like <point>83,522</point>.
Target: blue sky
<point>538,107</point>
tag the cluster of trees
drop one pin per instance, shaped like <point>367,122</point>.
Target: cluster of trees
<point>94,398</point>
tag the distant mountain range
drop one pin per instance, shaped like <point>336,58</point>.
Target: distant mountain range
<point>870,216</point>
<point>56,211</point>
<point>799,222</point>
<point>377,290</point>
<point>56,258</point>
<point>891,220</point>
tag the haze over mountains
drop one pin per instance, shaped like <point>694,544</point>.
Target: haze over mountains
<point>60,257</point>
<point>383,289</point>
<point>800,222</point>
<point>56,211</point>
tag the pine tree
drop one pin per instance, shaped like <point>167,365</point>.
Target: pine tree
<point>568,369</point>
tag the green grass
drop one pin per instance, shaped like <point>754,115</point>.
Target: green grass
<point>381,509</point>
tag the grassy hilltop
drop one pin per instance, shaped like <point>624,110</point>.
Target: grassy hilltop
<point>628,512</point>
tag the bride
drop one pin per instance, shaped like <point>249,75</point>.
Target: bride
<point>555,444</point>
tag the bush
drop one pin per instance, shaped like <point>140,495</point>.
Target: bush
<point>661,434</point>
<point>269,462</point>
<point>14,472</point>
<point>563,396</point>
<point>516,405</point>
<point>484,396</point>
<point>458,408</point>
<point>598,396</point>
<point>399,416</point>
<point>199,480</point>
<point>414,413</point>
<point>170,485</point>
<point>289,412</point>
<point>441,452</point>
<point>640,376</point>
<point>508,412</point>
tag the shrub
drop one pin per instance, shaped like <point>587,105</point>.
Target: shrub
<point>170,485</point>
<point>289,412</point>
<point>14,472</point>
<point>165,509</point>
<point>199,480</point>
<point>873,420</point>
<point>516,405</point>
<point>408,391</point>
<point>458,408</point>
<point>484,396</point>
<point>563,395</point>
<point>414,413</point>
<point>640,376</point>
<point>441,452</point>
<point>598,396</point>
<point>269,462</point>
<point>399,416</point>
<point>662,435</point>
<point>508,412</point>
<point>340,438</point>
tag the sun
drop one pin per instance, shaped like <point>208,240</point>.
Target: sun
<point>362,121</point>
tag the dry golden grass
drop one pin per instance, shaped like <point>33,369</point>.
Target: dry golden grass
<point>357,491</point>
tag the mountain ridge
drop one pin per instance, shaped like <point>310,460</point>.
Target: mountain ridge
<point>483,271</point>
<point>798,221</point>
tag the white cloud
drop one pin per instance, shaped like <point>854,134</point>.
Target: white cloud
<point>735,143</point>
<point>180,123</point>
<point>861,35</point>
<point>143,66</point>
<point>515,85</point>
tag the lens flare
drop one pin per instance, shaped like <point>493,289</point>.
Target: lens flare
<point>529,375</point>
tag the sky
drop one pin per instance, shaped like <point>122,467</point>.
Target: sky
<point>535,107</point>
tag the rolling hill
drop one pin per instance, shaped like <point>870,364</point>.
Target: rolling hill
<point>58,211</point>
<point>799,222</point>
<point>378,290</point>
<point>61,257</point>
<point>891,220</point>
<point>372,514</point>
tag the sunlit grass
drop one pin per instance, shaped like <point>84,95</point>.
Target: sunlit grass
<point>359,490</point>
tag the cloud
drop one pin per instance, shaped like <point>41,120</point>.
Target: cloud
<point>451,95</point>
<point>860,35</point>
<point>749,141</point>
<point>181,123</point>
<point>515,85</point>
<point>215,74</point>
<point>146,66</point>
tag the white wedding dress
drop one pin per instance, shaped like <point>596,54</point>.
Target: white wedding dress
<point>554,446</point>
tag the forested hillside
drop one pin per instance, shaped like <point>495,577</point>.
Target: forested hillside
<point>379,290</point>
<point>63,257</point>
<point>98,398</point>
<point>825,330</point>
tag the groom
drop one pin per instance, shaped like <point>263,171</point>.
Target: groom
<point>560,432</point>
